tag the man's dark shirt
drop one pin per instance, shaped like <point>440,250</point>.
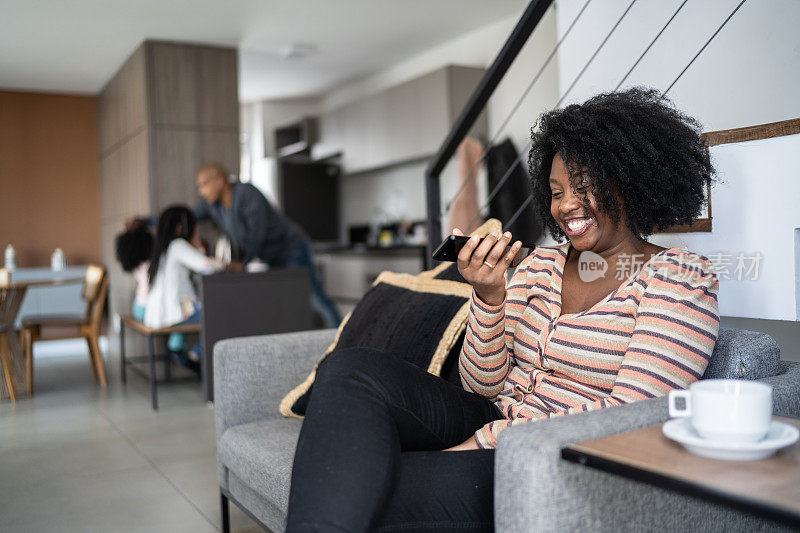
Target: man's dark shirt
<point>255,225</point>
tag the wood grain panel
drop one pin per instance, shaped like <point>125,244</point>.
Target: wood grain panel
<point>173,71</point>
<point>109,116</point>
<point>774,481</point>
<point>753,133</point>
<point>110,185</point>
<point>49,177</point>
<point>221,146</point>
<point>218,102</point>
<point>134,94</point>
<point>139,172</point>
<point>134,170</point>
<point>104,114</point>
<point>178,157</point>
<point>169,108</point>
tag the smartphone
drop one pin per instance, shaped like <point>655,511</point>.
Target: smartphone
<point>451,246</point>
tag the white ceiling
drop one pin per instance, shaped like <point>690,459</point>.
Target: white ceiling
<point>76,46</point>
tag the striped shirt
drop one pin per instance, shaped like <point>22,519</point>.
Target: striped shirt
<point>654,333</point>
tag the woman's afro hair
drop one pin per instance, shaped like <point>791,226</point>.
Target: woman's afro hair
<point>134,246</point>
<point>631,144</point>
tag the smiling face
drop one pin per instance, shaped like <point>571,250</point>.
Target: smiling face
<point>586,226</point>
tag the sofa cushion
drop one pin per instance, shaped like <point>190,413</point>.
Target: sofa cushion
<point>261,455</point>
<point>419,319</point>
<point>743,354</point>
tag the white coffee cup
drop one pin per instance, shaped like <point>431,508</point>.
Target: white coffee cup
<point>729,410</point>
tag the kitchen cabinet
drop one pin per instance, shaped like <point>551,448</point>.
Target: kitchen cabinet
<point>404,123</point>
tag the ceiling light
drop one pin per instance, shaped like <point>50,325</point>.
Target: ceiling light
<point>298,50</point>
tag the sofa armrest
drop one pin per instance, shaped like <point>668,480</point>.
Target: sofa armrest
<point>743,354</point>
<point>785,389</point>
<point>530,475</point>
<point>253,374</point>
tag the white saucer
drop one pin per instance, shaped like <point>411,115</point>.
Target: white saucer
<point>779,436</point>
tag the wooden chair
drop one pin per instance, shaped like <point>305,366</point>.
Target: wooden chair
<point>95,288</point>
<point>5,349</point>
<point>5,358</point>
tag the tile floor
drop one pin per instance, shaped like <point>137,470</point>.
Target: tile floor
<point>78,458</point>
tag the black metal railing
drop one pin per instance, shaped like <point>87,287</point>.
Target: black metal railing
<point>472,110</point>
<point>492,78</point>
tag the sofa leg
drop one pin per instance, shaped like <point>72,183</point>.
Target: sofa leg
<point>226,519</point>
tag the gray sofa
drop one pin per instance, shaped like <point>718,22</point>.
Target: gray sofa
<point>535,490</point>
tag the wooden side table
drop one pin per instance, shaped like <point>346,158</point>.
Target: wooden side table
<point>769,488</point>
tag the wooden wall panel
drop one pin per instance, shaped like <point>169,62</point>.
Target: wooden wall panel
<point>124,172</point>
<point>173,71</point>
<point>134,94</point>
<point>139,175</point>
<point>221,146</point>
<point>122,103</point>
<point>169,109</point>
<point>109,188</point>
<point>194,116</point>
<point>49,194</point>
<point>105,104</point>
<point>218,103</point>
<point>177,160</point>
<point>134,191</point>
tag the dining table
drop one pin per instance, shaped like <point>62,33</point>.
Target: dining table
<point>12,296</point>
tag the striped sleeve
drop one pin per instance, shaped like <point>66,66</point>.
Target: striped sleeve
<point>487,355</point>
<point>677,323</point>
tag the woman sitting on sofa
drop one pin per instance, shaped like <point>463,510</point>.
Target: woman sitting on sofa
<point>604,319</point>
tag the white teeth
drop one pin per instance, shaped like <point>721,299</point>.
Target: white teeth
<point>577,225</point>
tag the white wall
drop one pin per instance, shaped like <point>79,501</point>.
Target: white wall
<point>748,75</point>
<point>759,213</point>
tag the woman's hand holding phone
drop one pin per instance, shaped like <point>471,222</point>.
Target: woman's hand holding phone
<point>483,264</point>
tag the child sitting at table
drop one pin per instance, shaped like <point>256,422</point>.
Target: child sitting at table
<point>133,249</point>
<point>172,298</point>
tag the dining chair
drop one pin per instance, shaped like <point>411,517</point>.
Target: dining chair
<point>95,288</point>
<point>5,359</point>
<point>5,349</point>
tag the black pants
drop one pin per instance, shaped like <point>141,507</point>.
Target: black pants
<point>368,458</point>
